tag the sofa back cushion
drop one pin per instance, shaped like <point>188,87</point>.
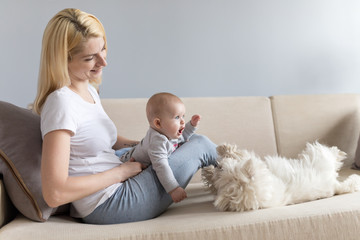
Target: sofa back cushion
<point>333,120</point>
<point>245,121</point>
<point>128,115</point>
<point>20,160</point>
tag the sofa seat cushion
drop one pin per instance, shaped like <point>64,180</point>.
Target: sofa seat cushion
<point>196,218</point>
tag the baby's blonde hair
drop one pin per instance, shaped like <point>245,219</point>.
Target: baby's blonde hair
<point>63,37</point>
<point>159,103</point>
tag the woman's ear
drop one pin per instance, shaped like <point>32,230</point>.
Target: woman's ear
<point>157,123</point>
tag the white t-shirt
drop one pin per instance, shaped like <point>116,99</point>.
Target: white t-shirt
<point>93,135</point>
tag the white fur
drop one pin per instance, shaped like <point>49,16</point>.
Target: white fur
<point>243,181</point>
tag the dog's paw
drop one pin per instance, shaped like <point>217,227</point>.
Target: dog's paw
<point>231,151</point>
<point>354,182</point>
<point>351,184</point>
<point>226,150</point>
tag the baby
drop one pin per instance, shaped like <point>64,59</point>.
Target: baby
<point>165,113</point>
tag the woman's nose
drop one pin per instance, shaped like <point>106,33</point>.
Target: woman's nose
<point>102,61</point>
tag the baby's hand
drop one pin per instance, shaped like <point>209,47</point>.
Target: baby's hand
<point>178,194</point>
<point>195,119</point>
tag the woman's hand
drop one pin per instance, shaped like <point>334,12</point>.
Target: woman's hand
<point>130,169</point>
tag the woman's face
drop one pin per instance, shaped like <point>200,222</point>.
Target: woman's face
<point>88,63</point>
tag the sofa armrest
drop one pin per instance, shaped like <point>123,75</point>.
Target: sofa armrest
<point>7,210</point>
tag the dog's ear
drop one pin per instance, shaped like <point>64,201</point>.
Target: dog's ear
<point>249,170</point>
<point>207,174</point>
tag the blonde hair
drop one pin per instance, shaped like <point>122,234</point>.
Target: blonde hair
<point>158,103</point>
<point>63,37</point>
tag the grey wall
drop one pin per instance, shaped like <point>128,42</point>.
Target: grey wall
<point>197,47</point>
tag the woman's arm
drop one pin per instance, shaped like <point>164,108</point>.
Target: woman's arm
<point>58,187</point>
<point>123,142</point>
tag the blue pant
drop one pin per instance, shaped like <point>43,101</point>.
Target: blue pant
<point>143,197</point>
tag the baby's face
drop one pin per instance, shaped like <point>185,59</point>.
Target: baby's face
<point>172,121</point>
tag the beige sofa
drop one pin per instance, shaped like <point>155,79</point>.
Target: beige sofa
<point>276,125</point>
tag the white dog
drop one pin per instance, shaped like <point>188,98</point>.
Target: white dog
<point>242,181</point>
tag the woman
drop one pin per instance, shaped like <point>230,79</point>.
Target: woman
<point>79,164</point>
